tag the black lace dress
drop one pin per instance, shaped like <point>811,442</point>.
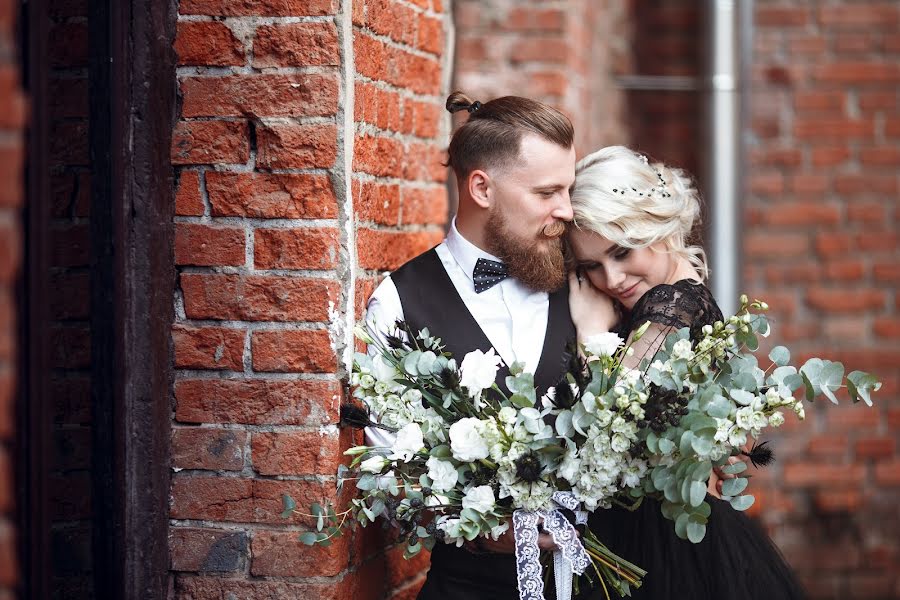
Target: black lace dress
<point>736,560</point>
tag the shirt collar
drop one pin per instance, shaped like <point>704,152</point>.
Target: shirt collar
<point>465,252</point>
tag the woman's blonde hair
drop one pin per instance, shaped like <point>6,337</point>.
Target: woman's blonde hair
<point>621,196</point>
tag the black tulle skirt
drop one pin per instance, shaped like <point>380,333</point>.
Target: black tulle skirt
<point>736,560</point>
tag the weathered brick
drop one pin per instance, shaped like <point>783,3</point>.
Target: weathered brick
<point>271,195</point>
<point>866,16</point>
<point>295,453</point>
<point>188,201</point>
<point>208,449</point>
<point>70,247</point>
<point>72,299</point>
<point>293,351</point>
<point>68,45</point>
<point>775,244</point>
<point>306,95</point>
<point>217,588</point>
<point>297,146</point>
<point>204,245</point>
<point>241,500</point>
<point>376,202</point>
<point>297,248</point>
<point>863,72</point>
<point>387,250</point>
<point>208,550</point>
<point>829,475</point>
<point>376,60</point>
<point>208,347</point>
<point>256,401</point>
<point>280,554</point>
<point>780,16</point>
<point>296,44</point>
<point>207,43</point>
<point>210,142</point>
<point>262,8</point>
<point>256,298</point>
<point>875,447</point>
<point>424,205</point>
<point>887,473</point>
<point>70,347</point>
<point>837,300</point>
<point>833,129</point>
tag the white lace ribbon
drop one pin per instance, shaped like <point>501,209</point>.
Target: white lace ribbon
<point>569,557</point>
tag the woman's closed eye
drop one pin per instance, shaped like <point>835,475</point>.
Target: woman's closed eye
<point>621,253</point>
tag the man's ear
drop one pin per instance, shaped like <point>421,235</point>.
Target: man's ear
<point>479,186</point>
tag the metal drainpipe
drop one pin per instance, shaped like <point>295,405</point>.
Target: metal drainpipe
<point>729,44</point>
<point>729,34</point>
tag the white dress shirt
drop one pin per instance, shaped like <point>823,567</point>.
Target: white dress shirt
<point>511,315</point>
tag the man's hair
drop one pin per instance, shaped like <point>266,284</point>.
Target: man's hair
<point>492,136</point>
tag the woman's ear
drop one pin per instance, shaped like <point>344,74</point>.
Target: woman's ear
<point>479,185</point>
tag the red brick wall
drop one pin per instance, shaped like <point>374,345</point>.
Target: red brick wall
<point>12,149</point>
<point>821,244</point>
<point>562,53</point>
<point>69,468</point>
<point>308,151</point>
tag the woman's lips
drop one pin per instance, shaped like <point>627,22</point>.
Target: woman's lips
<point>628,292</point>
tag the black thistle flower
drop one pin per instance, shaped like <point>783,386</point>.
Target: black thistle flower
<point>528,467</point>
<point>664,408</point>
<point>449,378</point>
<point>760,455</point>
<point>395,342</point>
<point>563,396</point>
<point>357,417</point>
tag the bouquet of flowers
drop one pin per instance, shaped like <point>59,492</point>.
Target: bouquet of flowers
<point>468,459</point>
<point>683,412</point>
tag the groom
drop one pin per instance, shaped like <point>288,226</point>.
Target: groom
<point>497,280</point>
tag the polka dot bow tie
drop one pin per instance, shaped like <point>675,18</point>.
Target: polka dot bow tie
<point>488,273</point>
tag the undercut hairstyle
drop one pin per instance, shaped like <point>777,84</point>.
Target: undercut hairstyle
<point>492,136</point>
<point>634,203</point>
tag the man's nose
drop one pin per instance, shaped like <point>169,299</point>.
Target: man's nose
<point>563,210</point>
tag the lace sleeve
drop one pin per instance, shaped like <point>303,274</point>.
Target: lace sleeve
<point>682,304</point>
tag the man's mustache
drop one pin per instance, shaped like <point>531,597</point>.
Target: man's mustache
<point>554,230</point>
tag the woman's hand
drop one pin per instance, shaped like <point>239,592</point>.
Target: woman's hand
<point>592,311</point>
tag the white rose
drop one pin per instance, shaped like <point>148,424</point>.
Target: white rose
<point>373,464</point>
<point>737,437</point>
<point>442,473</point>
<point>682,349</point>
<point>409,441</point>
<point>466,440</point>
<point>619,443</point>
<point>478,370</point>
<point>499,530</point>
<point>479,498</point>
<point>507,414</point>
<point>603,344</point>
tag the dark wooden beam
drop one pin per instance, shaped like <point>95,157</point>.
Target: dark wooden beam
<point>132,97</point>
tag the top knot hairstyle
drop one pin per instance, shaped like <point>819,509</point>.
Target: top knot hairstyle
<point>634,203</point>
<point>492,136</point>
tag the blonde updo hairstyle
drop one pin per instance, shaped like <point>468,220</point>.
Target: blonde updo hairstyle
<point>621,196</point>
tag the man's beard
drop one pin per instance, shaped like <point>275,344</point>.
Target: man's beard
<point>538,263</point>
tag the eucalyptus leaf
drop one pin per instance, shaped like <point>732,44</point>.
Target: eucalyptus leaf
<point>698,492</point>
<point>780,355</point>
<point>366,483</point>
<point>742,502</point>
<point>695,530</point>
<point>733,487</point>
<point>288,505</point>
<point>863,383</point>
<point>665,446</point>
<point>309,537</point>
<point>742,397</point>
<point>681,524</point>
<point>719,407</point>
<point>703,442</point>
<point>831,377</point>
<point>684,445</point>
<point>738,467</point>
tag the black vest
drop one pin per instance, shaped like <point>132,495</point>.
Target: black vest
<point>430,300</point>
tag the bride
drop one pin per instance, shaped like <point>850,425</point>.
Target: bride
<point>634,262</point>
